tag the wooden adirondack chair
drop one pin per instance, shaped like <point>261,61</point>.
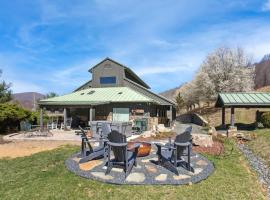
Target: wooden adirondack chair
<point>170,154</point>
<point>123,157</point>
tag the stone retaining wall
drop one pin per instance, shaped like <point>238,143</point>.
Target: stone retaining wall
<point>192,118</point>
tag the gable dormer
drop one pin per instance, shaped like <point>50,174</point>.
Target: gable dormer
<point>109,73</point>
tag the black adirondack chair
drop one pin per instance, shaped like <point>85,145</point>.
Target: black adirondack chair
<point>123,157</point>
<point>88,152</point>
<point>170,154</point>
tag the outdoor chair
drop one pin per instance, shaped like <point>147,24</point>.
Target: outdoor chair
<point>170,155</point>
<point>123,157</point>
<point>105,130</point>
<point>88,152</point>
<point>68,124</point>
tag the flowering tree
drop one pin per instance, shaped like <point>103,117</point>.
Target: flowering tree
<point>224,70</point>
<point>229,70</point>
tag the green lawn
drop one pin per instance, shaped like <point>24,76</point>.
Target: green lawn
<point>261,145</point>
<point>44,176</point>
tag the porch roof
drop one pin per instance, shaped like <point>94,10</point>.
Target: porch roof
<point>97,96</point>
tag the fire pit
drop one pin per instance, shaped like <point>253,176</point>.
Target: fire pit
<point>144,149</point>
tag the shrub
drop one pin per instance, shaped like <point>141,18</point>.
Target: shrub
<point>265,119</point>
<point>12,114</point>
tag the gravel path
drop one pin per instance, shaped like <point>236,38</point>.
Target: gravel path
<point>258,165</point>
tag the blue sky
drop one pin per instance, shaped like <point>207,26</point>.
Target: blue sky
<point>49,45</point>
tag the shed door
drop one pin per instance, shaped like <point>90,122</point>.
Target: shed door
<point>121,114</point>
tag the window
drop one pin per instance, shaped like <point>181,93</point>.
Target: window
<point>108,80</point>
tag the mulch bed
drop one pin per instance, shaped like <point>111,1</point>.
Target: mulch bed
<point>216,149</point>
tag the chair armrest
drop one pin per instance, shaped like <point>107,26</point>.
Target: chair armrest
<point>164,146</point>
<point>185,144</point>
<point>135,146</point>
<point>117,144</point>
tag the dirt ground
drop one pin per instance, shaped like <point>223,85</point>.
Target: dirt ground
<point>25,148</point>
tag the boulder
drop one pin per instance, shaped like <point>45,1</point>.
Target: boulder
<point>212,131</point>
<point>232,131</point>
<point>202,140</point>
<point>162,128</point>
<point>147,134</point>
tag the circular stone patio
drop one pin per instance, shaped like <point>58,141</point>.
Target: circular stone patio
<point>146,172</point>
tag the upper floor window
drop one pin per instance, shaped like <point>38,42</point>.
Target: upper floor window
<point>108,80</point>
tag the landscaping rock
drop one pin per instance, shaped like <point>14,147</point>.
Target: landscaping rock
<point>147,134</point>
<point>201,162</point>
<point>161,177</point>
<point>181,176</point>
<point>212,131</point>
<point>102,175</point>
<point>197,170</point>
<point>203,140</point>
<point>90,165</point>
<point>136,177</point>
<point>151,169</point>
<point>232,131</point>
<point>258,165</point>
<point>161,128</point>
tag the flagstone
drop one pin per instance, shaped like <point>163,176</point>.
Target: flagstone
<point>161,177</point>
<point>102,175</point>
<point>135,177</point>
<point>181,176</point>
<point>89,165</point>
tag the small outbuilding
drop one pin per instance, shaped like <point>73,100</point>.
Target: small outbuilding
<point>241,100</point>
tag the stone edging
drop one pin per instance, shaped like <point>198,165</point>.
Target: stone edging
<point>258,164</point>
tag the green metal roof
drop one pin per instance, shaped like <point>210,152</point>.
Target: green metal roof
<point>96,96</point>
<point>244,99</point>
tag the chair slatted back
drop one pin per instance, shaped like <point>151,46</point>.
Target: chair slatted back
<point>119,152</point>
<point>183,138</point>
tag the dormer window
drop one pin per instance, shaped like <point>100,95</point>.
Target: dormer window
<point>108,80</point>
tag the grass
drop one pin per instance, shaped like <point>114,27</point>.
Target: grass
<point>44,176</point>
<point>261,145</point>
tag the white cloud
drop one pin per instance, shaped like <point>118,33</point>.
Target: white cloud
<point>266,6</point>
<point>161,70</point>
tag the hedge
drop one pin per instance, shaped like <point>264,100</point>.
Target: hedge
<point>265,119</point>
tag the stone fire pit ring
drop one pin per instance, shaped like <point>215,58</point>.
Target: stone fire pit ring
<point>147,171</point>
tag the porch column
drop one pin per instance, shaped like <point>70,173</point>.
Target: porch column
<point>232,116</point>
<point>223,117</point>
<point>91,114</point>
<point>171,114</point>
<point>41,119</point>
<point>65,119</point>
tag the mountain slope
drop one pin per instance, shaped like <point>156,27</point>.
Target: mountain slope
<point>262,72</point>
<point>27,99</point>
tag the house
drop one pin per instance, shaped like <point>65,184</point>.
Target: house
<point>115,93</point>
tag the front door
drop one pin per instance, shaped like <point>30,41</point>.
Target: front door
<point>121,114</point>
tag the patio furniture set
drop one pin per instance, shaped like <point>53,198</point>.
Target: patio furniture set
<point>118,153</point>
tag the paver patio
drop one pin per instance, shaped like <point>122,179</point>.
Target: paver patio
<point>147,171</point>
